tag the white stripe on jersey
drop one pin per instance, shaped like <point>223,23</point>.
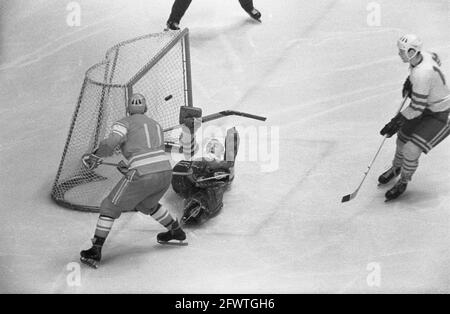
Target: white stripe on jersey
<point>157,152</point>
<point>159,134</point>
<point>119,129</point>
<point>148,161</point>
<point>147,136</point>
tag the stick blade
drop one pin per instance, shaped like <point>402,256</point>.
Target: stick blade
<point>348,197</point>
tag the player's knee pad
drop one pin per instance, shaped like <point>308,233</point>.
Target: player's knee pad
<point>411,151</point>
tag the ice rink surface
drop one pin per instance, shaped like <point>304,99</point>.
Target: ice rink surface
<point>326,80</point>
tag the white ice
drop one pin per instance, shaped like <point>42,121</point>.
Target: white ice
<point>324,77</point>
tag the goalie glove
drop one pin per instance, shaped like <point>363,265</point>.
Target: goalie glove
<point>91,161</point>
<point>394,125</point>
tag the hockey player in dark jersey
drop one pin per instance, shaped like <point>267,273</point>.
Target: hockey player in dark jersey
<point>203,181</point>
<point>146,177</point>
<point>180,7</point>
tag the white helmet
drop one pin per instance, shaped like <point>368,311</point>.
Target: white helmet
<point>410,41</point>
<point>137,104</point>
<point>214,149</point>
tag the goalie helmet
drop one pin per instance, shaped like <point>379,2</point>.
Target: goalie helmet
<point>214,149</point>
<point>137,104</point>
<point>407,42</point>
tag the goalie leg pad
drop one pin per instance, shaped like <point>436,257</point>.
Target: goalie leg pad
<point>204,204</point>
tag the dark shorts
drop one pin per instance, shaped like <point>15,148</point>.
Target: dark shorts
<point>426,131</point>
<point>136,192</point>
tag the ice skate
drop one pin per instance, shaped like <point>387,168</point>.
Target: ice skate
<point>396,190</point>
<point>175,236</point>
<point>172,26</point>
<point>390,174</point>
<point>92,256</point>
<point>254,14</point>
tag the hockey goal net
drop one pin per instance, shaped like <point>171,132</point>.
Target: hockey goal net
<point>156,66</point>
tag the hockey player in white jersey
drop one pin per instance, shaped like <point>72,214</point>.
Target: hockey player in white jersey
<point>425,122</point>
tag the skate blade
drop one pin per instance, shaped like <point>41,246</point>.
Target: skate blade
<point>384,185</point>
<point>89,262</point>
<point>390,200</point>
<point>178,243</point>
<point>258,20</point>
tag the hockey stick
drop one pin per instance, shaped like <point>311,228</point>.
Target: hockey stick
<point>109,164</point>
<point>222,114</point>
<point>351,196</point>
<point>97,163</point>
<point>217,177</point>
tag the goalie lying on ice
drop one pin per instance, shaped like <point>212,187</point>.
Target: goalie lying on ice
<point>203,181</point>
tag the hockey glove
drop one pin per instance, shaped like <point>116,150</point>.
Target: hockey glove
<point>407,88</point>
<point>394,125</point>
<point>122,167</point>
<point>91,161</point>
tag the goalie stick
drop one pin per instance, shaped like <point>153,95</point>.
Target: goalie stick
<point>351,196</point>
<point>217,176</point>
<point>222,114</point>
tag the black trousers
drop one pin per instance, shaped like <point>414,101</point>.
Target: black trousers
<point>180,7</point>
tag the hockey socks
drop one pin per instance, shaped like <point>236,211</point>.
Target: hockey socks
<point>163,216</point>
<point>104,225</point>
<point>174,232</point>
<point>408,168</point>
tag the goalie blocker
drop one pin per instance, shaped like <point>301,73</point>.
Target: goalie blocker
<point>203,182</point>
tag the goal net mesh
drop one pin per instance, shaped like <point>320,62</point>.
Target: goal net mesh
<point>156,66</point>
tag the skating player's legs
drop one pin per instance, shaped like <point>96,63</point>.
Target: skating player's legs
<point>151,206</point>
<point>128,194</point>
<point>179,7</point>
<point>403,136</point>
<point>418,135</point>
